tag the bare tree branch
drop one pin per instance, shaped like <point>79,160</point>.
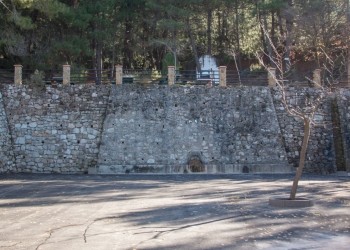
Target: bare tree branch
<point>2,2</point>
<point>303,107</point>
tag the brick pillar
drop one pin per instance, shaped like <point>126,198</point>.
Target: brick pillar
<point>118,74</point>
<point>171,75</point>
<point>18,74</point>
<point>66,74</point>
<point>271,77</point>
<point>222,76</point>
<point>316,77</point>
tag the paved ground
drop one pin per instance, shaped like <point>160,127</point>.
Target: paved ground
<point>171,212</point>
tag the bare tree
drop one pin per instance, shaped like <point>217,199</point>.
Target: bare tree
<point>304,107</point>
<point>234,54</point>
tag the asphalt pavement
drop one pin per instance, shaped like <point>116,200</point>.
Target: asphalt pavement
<point>39,211</point>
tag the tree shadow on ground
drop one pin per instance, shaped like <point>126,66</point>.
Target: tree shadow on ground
<point>203,212</point>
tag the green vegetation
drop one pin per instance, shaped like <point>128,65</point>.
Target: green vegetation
<point>44,34</point>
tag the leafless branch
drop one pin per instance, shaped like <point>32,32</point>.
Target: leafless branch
<point>238,73</point>
<point>2,2</point>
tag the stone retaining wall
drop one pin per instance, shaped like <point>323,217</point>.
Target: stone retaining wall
<point>320,154</point>
<point>57,130</point>
<point>7,163</point>
<point>162,129</point>
<point>344,111</point>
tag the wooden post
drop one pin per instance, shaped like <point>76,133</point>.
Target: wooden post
<point>118,74</point>
<point>316,77</point>
<point>18,74</point>
<point>271,77</point>
<point>66,75</point>
<point>222,76</point>
<point>171,75</point>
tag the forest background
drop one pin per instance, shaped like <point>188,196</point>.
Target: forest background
<point>147,34</point>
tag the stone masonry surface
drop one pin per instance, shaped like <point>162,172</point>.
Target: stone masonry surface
<point>56,130</point>
<point>159,129</point>
<point>320,154</point>
<point>344,107</point>
<point>6,152</point>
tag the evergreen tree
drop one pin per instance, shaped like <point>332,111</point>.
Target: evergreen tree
<point>138,33</point>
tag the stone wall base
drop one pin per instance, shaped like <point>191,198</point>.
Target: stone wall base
<point>183,169</point>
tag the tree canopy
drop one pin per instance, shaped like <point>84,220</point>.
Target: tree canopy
<point>139,33</point>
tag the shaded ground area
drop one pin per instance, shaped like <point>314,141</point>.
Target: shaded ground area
<point>171,212</point>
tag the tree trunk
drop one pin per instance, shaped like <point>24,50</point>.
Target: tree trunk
<point>75,3</point>
<point>289,16</point>
<point>193,45</point>
<point>209,21</point>
<point>127,50</point>
<point>280,24</point>
<point>224,32</point>
<point>98,62</point>
<point>112,75</point>
<point>267,42</point>
<point>299,171</point>
<point>262,23</point>
<point>238,37</point>
<point>220,42</point>
<point>273,25</point>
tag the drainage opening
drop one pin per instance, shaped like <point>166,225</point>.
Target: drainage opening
<point>245,170</point>
<point>195,164</point>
